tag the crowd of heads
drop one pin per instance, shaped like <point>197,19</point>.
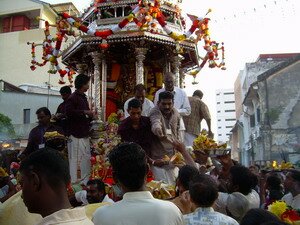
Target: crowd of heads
<point>45,176</point>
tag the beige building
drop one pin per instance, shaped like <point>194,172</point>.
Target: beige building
<point>23,91</point>
<point>18,25</point>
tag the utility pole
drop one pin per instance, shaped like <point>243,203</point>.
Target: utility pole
<point>49,87</point>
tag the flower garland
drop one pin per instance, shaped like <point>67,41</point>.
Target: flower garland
<point>143,15</point>
<point>50,53</point>
<point>107,140</point>
<point>284,212</point>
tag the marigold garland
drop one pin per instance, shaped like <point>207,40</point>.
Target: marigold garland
<point>284,212</point>
<point>144,16</point>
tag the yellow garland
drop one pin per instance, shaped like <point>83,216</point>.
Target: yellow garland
<point>278,208</point>
<point>113,118</point>
<point>77,24</point>
<point>130,17</point>
<point>3,173</point>
<point>177,37</point>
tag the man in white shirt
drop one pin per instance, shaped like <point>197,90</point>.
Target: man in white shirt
<point>44,179</point>
<point>237,206</point>
<point>203,193</point>
<point>94,193</point>
<point>130,168</point>
<point>240,180</point>
<point>292,186</point>
<point>140,94</point>
<point>181,101</point>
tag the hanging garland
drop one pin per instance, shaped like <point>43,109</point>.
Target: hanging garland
<point>50,53</point>
<point>143,15</point>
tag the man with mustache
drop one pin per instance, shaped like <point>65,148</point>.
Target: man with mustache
<point>165,121</point>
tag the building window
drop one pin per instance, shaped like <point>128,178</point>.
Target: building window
<point>219,120</point>
<point>219,135</point>
<point>228,134</point>
<point>218,94</point>
<point>258,115</point>
<point>252,121</point>
<point>219,127</point>
<point>229,102</point>
<point>229,93</point>
<point>229,119</point>
<point>218,111</point>
<point>15,23</point>
<point>230,110</point>
<point>229,126</point>
<point>218,103</point>
<point>26,116</point>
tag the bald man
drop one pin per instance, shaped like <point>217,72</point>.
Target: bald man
<point>181,101</point>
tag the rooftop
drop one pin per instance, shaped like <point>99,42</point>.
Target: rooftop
<point>276,56</point>
<point>27,88</point>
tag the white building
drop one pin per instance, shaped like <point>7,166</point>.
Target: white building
<point>21,103</point>
<point>225,113</point>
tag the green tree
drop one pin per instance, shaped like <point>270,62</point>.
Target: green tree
<point>6,127</point>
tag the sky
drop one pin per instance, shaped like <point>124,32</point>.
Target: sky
<point>248,28</point>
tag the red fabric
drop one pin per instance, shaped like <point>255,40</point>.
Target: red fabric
<point>111,107</point>
<point>150,176</point>
<point>83,28</point>
<point>123,23</point>
<point>111,103</point>
<point>115,72</point>
<point>103,34</point>
<point>194,26</point>
<point>65,15</point>
<point>161,20</point>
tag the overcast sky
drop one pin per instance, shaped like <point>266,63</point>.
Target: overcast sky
<point>248,28</point>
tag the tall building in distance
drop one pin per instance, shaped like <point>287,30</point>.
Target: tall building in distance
<point>225,113</point>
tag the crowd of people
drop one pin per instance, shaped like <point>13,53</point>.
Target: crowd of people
<point>216,193</point>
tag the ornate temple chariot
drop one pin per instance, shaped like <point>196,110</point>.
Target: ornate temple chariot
<point>139,53</point>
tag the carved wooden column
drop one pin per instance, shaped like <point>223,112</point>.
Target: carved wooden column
<point>96,57</point>
<point>176,62</point>
<point>140,57</point>
<point>167,67</point>
<point>103,87</point>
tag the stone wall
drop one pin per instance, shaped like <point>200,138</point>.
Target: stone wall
<point>280,107</point>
